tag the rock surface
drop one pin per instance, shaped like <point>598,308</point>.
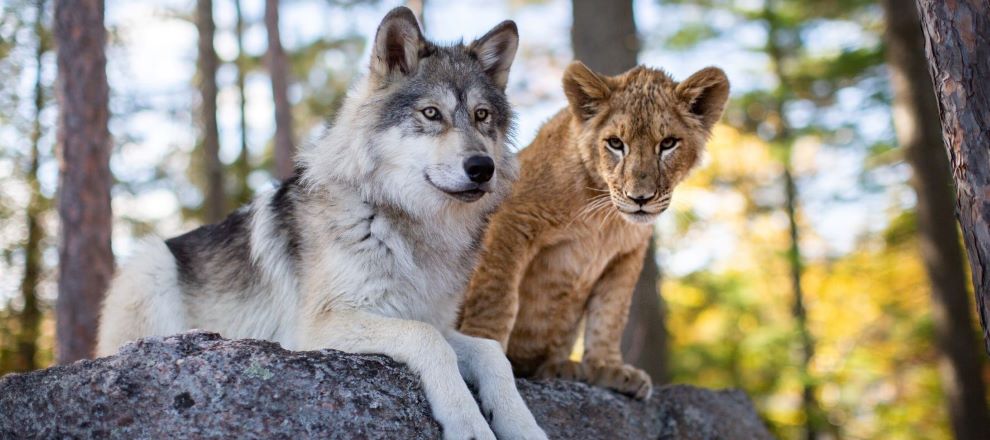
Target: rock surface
<point>199,385</point>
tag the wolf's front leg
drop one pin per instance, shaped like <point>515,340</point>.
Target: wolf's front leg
<point>483,364</point>
<point>418,345</point>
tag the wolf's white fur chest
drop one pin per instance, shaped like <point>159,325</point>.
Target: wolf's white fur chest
<point>379,257</point>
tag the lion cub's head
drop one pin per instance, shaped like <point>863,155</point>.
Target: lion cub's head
<point>641,132</point>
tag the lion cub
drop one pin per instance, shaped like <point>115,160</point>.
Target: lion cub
<point>569,241</point>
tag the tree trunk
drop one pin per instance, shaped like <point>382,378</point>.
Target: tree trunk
<point>278,68</point>
<point>30,315</point>
<point>243,165</point>
<point>784,139</point>
<point>214,203</point>
<point>957,42</point>
<point>603,36</point>
<point>916,118</point>
<point>419,9</point>
<point>795,263</point>
<point>85,257</point>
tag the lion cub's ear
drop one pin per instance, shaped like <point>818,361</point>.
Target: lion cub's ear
<point>586,90</point>
<point>705,94</point>
<point>496,50</point>
<point>398,43</point>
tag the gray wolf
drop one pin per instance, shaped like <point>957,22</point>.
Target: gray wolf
<point>369,247</point>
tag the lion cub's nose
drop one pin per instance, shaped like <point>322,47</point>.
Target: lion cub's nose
<point>641,199</point>
<point>479,168</point>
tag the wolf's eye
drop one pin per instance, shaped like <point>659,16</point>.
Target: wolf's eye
<point>481,114</point>
<point>668,143</point>
<point>615,143</point>
<point>431,113</point>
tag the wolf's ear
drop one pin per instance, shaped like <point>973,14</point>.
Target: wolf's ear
<point>585,90</point>
<point>496,50</point>
<point>705,94</point>
<point>398,43</point>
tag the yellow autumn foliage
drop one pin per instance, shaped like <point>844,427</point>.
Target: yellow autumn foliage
<point>731,322</point>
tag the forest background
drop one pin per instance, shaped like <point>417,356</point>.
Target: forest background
<point>812,261</point>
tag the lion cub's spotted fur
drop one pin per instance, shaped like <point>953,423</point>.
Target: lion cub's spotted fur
<point>569,241</point>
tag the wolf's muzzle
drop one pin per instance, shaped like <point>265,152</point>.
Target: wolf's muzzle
<point>479,168</point>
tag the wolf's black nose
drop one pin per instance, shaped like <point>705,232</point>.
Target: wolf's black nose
<point>479,168</point>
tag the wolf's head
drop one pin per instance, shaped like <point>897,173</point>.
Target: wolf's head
<point>429,124</point>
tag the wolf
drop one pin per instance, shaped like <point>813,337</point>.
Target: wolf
<point>369,247</point>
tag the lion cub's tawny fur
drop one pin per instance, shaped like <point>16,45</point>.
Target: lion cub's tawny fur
<point>569,241</point>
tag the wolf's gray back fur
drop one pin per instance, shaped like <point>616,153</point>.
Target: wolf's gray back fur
<point>369,247</point>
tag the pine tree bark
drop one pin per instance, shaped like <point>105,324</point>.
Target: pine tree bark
<point>916,118</point>
<point>957,44</point>
<point>278,68</point>
<point>214,203</point>
<point>603,36</point>
<point>85,257</point>
<point>30,315</point>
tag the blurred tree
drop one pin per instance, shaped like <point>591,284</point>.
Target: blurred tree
<point>242,167</point>
<point>85,256</point>
<point>603,35</point>
<point>782,45</point>
<point>12,23</point>
<point>30,315</point>
<point>916,118</point>
<point>278,68</point>
<point>419,8</point>
<point>958,44</point>
<point>324,68</point>
<point>214,203</point>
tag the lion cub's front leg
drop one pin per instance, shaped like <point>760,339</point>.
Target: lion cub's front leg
<point>608,310</point>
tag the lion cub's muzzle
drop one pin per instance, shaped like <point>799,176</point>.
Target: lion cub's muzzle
<point>640,207</point>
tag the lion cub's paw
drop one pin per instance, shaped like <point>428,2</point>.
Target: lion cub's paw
<point>568,370</point>
<point>625,379</point>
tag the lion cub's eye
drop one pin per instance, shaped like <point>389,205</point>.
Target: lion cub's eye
<point>615,143</point>
<point>668,143</point>
<point>481,114</point>
<point>431,113</point>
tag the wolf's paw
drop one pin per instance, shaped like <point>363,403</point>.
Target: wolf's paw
<point>521,432</point>
<point>569,370</point>
<point>465,427</point>
<point>625,379</point>
<point>516,422</point>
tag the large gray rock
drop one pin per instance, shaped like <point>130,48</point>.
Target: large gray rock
<point>200,385</point>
